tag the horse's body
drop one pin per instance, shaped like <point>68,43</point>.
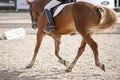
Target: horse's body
<point>81,17</point>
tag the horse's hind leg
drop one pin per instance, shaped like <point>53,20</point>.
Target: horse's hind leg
<point>94,47</point>
<point>80,51</point>
<point>57,48</point>
<point>39,40</point>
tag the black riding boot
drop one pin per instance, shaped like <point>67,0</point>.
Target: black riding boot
<point>51,26</point>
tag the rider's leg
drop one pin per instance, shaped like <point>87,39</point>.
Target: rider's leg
<point>48,14</point>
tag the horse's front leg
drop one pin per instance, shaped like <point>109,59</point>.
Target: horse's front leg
<point>80,51</point>
<point>57,41</point>
<point>40,36</point>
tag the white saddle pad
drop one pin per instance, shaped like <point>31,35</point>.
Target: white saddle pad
<point>59,9</point>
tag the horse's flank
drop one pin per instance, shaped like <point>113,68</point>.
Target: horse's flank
<point>66,21</point>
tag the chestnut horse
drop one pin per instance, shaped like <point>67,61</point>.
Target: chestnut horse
<point>82,17</point>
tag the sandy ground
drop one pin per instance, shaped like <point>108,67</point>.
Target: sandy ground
<point>16,54</point>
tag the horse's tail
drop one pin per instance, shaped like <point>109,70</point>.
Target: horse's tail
<point>108,18</point>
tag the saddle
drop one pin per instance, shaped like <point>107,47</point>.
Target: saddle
<point>57,9</point>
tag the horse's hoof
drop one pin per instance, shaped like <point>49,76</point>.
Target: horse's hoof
<point>68,70</point>
<point>29,66</point>
<point>66,63</point>
<point>103,67</point>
